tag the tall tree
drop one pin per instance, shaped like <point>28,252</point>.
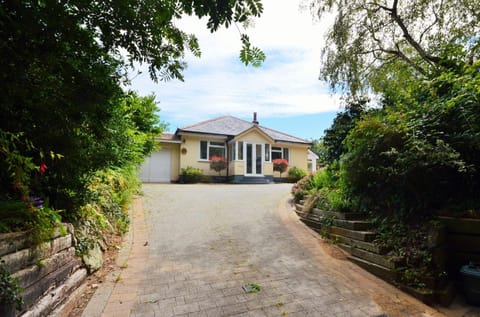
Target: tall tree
<point>344,122</point>
<point>61,73</point>
<point>371,39</point>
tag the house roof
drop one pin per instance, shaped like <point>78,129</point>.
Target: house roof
<point>169,138</point>
<point>312,155</point>
<point>231,126</point>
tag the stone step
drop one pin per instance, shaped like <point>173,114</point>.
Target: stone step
<point>340,215</point>
<point>366,236</point>
<point>357,225</point>
<point>299,207</point>
<point>375,258</point>
<point>251,180</point>
<point>378,270</point>
<point>368,246</point>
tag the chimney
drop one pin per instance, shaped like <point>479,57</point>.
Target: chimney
<point>255,118</point>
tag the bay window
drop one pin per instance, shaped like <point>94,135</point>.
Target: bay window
<point>211,148</point>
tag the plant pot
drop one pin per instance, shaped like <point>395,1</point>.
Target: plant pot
<point>471,283</point>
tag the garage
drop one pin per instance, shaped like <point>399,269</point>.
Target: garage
<point>157,167</point>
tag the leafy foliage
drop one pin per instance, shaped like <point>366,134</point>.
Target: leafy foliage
<point>109,194</point>
<point>251,55</point>
<point>371,40</point>
<point>426,148</point>
<point>295,174</point>
<point>342,124</point>
<point>190,175</point>
<point>9,289</point>
<point>318,147</point>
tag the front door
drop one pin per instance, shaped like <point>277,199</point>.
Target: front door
<point>254,159</point>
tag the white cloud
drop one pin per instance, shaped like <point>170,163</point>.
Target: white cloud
<point>217,83</point>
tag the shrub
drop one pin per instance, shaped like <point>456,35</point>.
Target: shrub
<point>9,289</point>
<point>333,141</point>
<point>110,192</point>
<point>295,174</point>
<point>218,164</point>
<point>280,165</point>
<point>190,175</point>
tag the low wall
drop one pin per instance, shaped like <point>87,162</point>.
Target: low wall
<point>48,273</point>
<point>463,240</point>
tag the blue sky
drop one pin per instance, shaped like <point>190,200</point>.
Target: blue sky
<point>285,91</point>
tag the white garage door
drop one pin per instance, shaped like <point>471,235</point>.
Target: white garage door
<point>156,168</point>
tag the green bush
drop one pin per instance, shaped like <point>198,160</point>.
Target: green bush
<point>190,175</point>
<point>110,193</point>
<point>295,174</point>
<point>32,216</point>
<point>9,289</point>
<point>419,158</point>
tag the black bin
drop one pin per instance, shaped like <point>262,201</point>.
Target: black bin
<point>471,283</point>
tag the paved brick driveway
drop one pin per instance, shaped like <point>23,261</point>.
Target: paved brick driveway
<point>207,241</point>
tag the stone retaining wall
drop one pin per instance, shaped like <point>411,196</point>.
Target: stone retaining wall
<point>48,273</point>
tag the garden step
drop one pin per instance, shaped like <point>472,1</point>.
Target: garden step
<point>299,207</point>
<point>368,246</point>
<point>12,242</point>
<point>366,236</point>
<point>462,225</point>
<point>345,247</point>
<point>375,269</point>
<point>311,223</point>
<point>375,258</point>
<point>358,225</point>
<point>340,215</point>
<point>311,216</point>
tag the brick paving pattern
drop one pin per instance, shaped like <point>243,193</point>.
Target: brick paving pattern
<point>198,245</point>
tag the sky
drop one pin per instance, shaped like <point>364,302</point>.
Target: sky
<point>285,91</point>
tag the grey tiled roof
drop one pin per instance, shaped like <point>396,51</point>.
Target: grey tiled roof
<point>231,126</point>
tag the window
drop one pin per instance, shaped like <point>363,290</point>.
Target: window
<point>210,148</point>
<point>240,150</point>
<point>232,147</point>
<point>278,152</point>
<point>286,154</point>
<point>267,152</point>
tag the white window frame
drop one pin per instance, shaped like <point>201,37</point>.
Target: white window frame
<point>240,149</point>
<point>282,151</point>
<point>209,145</point>
<point>268,150</point>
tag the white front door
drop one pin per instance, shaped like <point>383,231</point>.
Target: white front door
<point>254,159</point>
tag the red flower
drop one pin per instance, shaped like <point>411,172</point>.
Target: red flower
<point>218,163</point>
<point>43,168</point>
<point>280,165</point>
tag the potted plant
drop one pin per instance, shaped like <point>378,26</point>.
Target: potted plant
<point>218,164</point>
<point>10,298</point>
<point>280,165</point>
